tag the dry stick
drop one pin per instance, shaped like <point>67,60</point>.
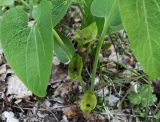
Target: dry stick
<point>37,110</point>
<point>120,102</point>
<point>157,108</point>
<point>114,48</point>
<point>126,115</point>
<point>127,79</point>
<point>42,109</point>
<point>49,109</point>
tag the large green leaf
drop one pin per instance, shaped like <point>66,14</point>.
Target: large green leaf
<point>59,10</point>
<point>6,2</point>
<point>29,49</point>
<point>102,9</point>
<point>141,19</point>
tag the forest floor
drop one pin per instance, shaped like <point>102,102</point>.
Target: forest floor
<point>119,78</point>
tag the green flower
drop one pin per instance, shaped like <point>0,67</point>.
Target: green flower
<point>88,101</point>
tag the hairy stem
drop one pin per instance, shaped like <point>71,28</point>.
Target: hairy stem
<point>108,20</point>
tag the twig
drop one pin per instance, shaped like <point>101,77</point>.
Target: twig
<point>131,115</point>
<point>157,108</point>
<point>121,101</point>
<point>42,109</point>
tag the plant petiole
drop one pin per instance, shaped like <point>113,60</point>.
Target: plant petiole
<point>100,42</point>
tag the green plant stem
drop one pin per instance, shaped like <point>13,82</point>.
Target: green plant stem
<point>100,42</point>
<point>26,4</point>
<point>60,41</point>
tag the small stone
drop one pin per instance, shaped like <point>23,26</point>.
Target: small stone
<point>19,90</point>
<point>56,61</point>
<point>9,116</point>
<point>47,103</point>
<point>103,91</point>
<point>112,100</point>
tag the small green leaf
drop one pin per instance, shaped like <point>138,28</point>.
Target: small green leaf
<point>60,51</point>
<point>6,2</point>
<point>29,49</point>
<point>145,96</point>
<point>75,67</point>
<point>87,34</point>
<point>60,8</point>
<point>141,20</point>
<point>88,101</point>
<point>135,99</point>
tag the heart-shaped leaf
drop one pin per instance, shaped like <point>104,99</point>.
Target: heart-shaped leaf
<point>59,10</point>
<point>29,49</point>
<point>102,9</point>
<point>141,20</point>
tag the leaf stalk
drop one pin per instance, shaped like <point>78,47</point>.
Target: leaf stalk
<point>100,42</point>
